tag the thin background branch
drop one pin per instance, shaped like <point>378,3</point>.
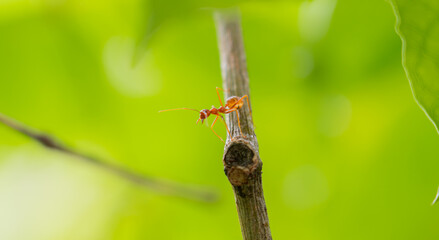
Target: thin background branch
<point>158,185</point>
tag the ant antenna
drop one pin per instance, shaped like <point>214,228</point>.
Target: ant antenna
<point>182,109</point>
<point>179,109</point>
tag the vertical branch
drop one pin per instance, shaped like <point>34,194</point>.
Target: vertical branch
<point>242,163</point>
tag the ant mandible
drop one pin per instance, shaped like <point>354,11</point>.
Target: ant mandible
<point>233,104</point>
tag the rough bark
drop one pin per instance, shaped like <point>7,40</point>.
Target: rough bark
<point>242,164</point>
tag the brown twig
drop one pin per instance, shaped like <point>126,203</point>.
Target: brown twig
<point>242,163</point>
<point>158,185</point>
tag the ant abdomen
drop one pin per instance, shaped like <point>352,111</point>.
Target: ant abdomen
<point>234,102</point>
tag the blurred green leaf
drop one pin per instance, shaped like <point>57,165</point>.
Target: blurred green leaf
<point>162,10</point>
<point>436,198</point>
<point>64,70</point>
<point>418,27</point>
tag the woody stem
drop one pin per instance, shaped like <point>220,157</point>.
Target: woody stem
<point>241,156</point>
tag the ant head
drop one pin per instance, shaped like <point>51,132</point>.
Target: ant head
<point>203,115</point>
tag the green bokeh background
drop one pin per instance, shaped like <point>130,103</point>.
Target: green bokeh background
<point>347,152</point>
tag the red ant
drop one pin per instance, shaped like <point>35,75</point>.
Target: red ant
<point>233,104</point>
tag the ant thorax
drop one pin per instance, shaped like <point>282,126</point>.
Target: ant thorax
<point>213,110</point>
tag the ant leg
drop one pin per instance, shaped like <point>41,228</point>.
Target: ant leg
<point>227,90</point>
<point>239,125</point>
<point>224,121</point>
<point>214,131</point>
<point>248,103</point>
<point>219,96</point>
